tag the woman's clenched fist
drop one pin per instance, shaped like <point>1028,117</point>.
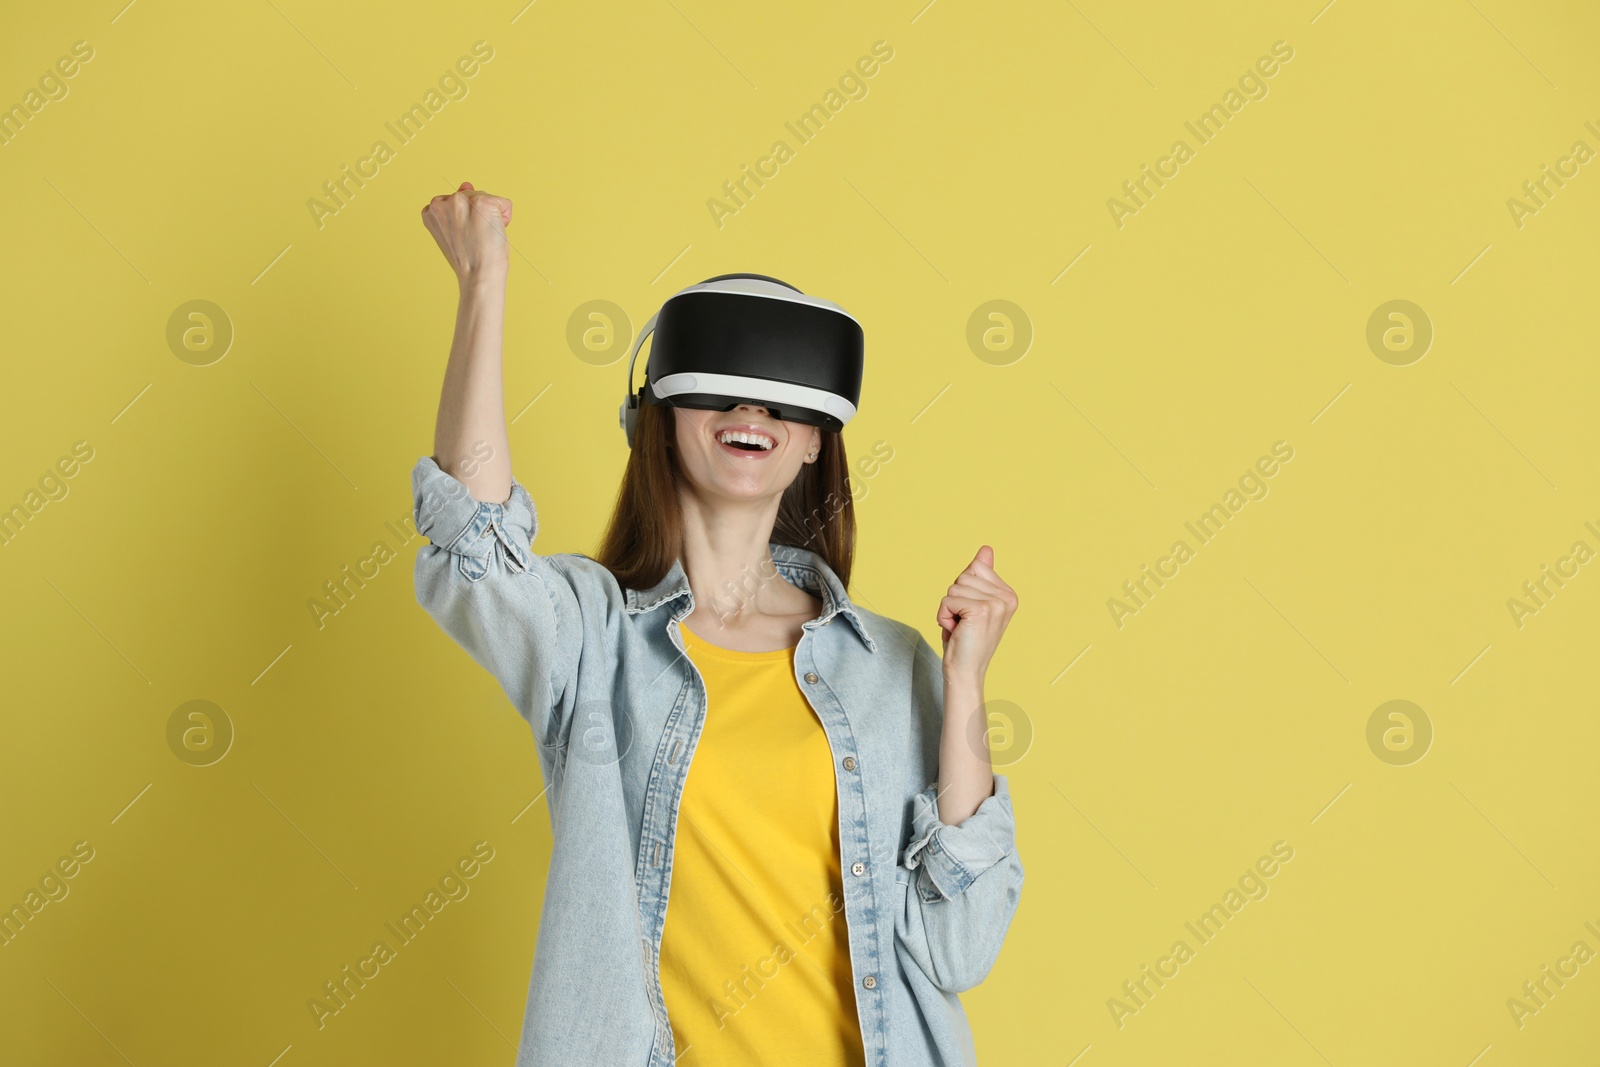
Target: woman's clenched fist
<point>973,616</point>
<point>470,228</point>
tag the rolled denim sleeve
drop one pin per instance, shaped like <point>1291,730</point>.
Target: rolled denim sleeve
<point>514,612</point>
<point>964,880</point>
<point>952,857</point>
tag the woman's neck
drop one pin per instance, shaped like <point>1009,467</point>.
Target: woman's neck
<point>728,562</point>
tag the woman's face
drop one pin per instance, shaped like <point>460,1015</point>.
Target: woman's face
<point>742,469</point>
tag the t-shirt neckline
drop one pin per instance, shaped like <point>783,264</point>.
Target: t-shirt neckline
<point>734,653</point>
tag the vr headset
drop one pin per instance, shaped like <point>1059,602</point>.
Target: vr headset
<point>750,339</point>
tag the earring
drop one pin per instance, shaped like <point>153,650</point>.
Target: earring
<point>812,456</point>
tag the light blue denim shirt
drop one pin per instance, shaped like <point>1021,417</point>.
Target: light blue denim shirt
<point>616,708</point>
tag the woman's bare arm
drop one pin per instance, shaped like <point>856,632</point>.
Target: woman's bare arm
<point>469,437</point>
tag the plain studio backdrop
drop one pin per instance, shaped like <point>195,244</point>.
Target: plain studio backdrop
<point>1339,346</point>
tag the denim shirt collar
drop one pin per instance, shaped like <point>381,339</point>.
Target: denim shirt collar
<point>799,566</point>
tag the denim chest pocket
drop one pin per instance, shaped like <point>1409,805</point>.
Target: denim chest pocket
<point>919,886</point>
<point>912,882</point>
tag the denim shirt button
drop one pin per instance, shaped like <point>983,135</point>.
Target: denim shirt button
<point>870,982</point>
<point>811,676</point>
<point>858,867</point>
<point>849,763</point>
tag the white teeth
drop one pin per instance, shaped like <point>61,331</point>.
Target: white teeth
<point>729,436</point>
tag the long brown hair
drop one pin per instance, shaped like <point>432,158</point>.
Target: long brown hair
<point>645,533</point>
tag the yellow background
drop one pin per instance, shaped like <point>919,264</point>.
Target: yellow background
<point>1228,314</point>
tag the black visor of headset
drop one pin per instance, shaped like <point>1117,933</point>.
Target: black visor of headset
<point>750,339</point>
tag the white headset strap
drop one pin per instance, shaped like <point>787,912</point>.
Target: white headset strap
<point>649,328</point>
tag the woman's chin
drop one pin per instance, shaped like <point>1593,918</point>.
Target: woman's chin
<point>746,486</point>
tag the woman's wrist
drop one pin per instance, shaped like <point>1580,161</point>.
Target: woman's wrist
<point>961,676</point>
<point>483,283</point>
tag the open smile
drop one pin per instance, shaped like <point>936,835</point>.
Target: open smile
<point>746,442</point>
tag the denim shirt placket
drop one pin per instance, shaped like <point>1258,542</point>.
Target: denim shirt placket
<point>669,772</point>
<point>860,906</point>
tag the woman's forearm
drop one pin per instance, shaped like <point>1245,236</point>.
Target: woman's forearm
<point>469,437</point>
<point>973,615</point>
<point>966,773</point>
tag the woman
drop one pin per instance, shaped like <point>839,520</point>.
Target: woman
<point>807,782</point>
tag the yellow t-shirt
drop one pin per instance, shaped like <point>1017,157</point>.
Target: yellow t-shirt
<point>755,963</point>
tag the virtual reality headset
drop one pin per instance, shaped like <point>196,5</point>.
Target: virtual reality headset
<point>750,339</point>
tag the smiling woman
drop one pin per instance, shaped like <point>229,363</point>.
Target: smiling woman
<point>750,356</point>
<point>743,764</point>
